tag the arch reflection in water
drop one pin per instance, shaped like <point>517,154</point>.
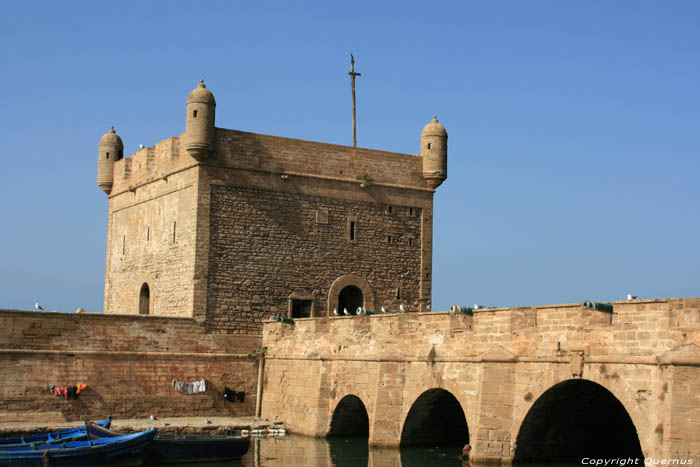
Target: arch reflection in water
<point>576,419</point>
<point>301,451</point>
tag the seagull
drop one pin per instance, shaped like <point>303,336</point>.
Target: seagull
<point>335,312</point>
<point>383,310</point>
<point>346,312</point>
<point>401,307</point>
<point>141,146</point>
<point>476,307</point>
<point>38,307</point>
<point>631,297</point>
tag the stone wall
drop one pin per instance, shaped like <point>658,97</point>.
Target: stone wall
<point>268,246</point>
<point>127,362</point>
<point>152,233</point>
<point>497,364</point>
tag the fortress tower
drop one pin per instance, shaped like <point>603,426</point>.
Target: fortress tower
<point>231,227</point>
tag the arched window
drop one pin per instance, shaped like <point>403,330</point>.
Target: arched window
<point>144,299</point>
<point>350,299</point>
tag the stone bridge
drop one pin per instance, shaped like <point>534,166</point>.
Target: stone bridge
<point>558,382</point>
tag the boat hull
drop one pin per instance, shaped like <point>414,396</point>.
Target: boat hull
<point>117,451</point>
<point>185,449</point>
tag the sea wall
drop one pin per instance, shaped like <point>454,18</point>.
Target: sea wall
<point>127,362</point>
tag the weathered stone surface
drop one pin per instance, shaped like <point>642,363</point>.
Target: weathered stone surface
<point>497,369</point>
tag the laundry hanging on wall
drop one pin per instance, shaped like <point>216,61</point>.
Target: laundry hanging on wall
<point>231,395</point>
<point>68,392</point>
<point>190,388</point>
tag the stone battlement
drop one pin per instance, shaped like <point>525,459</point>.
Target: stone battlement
<point>273,155</point>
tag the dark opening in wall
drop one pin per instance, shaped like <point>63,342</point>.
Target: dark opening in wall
<point>350,298</point>
<point>428,145</point>
<point>194,113</point>
<point>107,155</point>
<point>576,419</point>
<point>436,419</point>
<point>350,418</point>
<point>144,299</point>
<point>301,308</point>
<point>174,231</point>
<point>352,231</point>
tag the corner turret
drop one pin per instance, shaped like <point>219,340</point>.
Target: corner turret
<point>199,128</point>
<point>110,150</point>
<point>433,148</point>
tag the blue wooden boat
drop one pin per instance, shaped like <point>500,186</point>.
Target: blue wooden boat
<point>68,434</point>
<point>185,449</point>
<point>117,451</point>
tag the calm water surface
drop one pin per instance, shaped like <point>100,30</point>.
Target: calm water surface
<point>300,451</point>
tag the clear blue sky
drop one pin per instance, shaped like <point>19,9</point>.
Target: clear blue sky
<point>574,129</point>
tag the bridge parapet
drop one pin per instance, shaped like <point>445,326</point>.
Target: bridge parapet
<point>497,363</point>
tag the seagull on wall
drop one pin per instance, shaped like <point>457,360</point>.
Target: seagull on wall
<point>335,312</point>
<point>38,307</point>
<point>402,308</point>
<point>346,312</point>
<point>383,310</point>
<point>141,146</point>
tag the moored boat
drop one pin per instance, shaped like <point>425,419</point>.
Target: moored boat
<point>67,434</point>
<point>185,449</point>
<point>116,451</point>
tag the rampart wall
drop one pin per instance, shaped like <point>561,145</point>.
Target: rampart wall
<point>127,362</point>
<point>497,363</point>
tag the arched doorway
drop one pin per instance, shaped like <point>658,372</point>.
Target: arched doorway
<point>350,298</point>
<point>436,419</point>
<point>350,418</point>
<point>144,300</point>
<point>576,419</point>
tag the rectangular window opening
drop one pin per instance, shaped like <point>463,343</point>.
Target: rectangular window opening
<point>410,212</point>
<point>388,239</point>
<point>107,156</point>
<point>352,231</point>
<point>301,308</point>
<point>410,241</point>
<point>194,113</point>
<point>428,145</point>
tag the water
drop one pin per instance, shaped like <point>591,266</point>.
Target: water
<point>300,451</point>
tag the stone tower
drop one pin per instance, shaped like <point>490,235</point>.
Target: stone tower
<point>433,148</point>
<point>199,129</point>
<point>231,228</point>
<point>110,149</point>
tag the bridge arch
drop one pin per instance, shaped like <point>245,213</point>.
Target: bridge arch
<point>350,418</point>
<point>436,418</point>
<point>575,419</point>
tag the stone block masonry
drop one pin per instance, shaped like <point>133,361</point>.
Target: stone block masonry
<point>507,368</point>
<point>267,247</point>
<point>127,362</point>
